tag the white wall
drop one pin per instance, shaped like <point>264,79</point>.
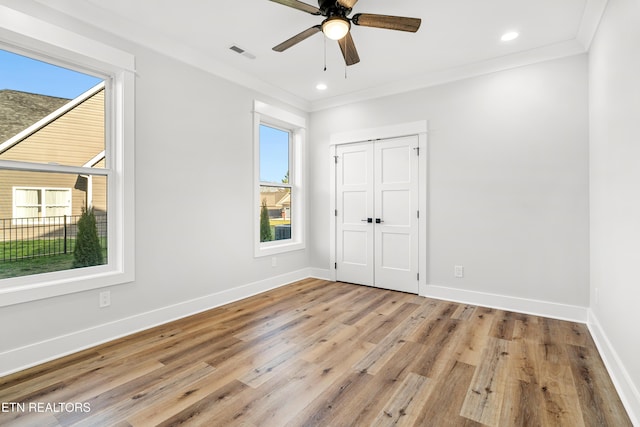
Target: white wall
<point>194,213</point>
<point>614,89</point>
<point>508,178</point>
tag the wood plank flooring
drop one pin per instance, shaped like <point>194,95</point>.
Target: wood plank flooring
<point>318,353</point>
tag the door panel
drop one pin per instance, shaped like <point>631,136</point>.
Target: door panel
<point>354,248</point>
<point>394,158</point>
<point>354,192</point>
<point>391,258</point>
<point>353,161</point>
<point>354,206</point>
<point>396,205</point>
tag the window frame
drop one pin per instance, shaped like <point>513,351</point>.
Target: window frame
<point>269,115</point>
<point>27,35</point>
<point>289,184</point>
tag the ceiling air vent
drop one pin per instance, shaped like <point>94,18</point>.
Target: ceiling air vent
<point>242,52</point>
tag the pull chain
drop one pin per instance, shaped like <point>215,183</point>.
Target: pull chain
<point>325,53</point>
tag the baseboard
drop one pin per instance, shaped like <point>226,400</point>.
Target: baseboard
<point>628,391</point>
<point>521,305</point>
<point>18,359</point>
<point>320,273</point>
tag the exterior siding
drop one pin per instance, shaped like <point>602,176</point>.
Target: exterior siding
<point>72,139</point>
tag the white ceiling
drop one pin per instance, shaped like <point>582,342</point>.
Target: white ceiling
<point>457,39</point>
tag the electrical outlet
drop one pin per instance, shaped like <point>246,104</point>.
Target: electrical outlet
<point>274,262</point>
<point>105,299</point>
<point>458,271</point>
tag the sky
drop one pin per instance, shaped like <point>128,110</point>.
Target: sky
<point>274,154</point>
<point>29,75</point>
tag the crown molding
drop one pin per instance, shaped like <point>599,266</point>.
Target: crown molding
<point>435,78</point>
<point>593,12</point>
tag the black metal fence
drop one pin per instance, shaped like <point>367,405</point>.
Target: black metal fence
<point>22,238</point>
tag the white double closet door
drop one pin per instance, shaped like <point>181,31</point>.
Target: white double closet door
<point>377,213</point>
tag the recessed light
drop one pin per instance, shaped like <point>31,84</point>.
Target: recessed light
<point>321,86</point>
<point>511,35</point>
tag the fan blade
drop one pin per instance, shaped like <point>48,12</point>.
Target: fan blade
<point>349,50</point>
<point>298,38</point>
<point>300,6</point>
<point>385,21</point>
<point>348,3</point>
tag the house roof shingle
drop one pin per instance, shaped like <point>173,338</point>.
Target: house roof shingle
<point>19,110</point>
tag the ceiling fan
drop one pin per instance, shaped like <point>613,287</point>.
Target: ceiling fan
<point>337,24</point>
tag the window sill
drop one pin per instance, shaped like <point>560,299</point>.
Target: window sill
<point>40,286</point>
<point>274,248</point>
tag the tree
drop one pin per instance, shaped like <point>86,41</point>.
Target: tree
<point>87,251</point>
<point>265,224</point>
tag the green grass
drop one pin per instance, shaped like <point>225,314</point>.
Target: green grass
<point>30,248</point>
<point>30,257</point>
<point>28,266</point>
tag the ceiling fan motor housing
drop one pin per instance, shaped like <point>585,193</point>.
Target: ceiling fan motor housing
<point>333,8</point>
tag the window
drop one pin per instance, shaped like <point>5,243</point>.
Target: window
<point>40,203</point>
<point>69,149</point>
<point>279,201</point>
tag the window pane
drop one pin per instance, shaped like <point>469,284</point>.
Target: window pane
<point>71,102</point>
<point>58,197</point>
<point>40,239</point>
<point>27,197</point>
<point>274,155</point>
<point>275,213</point>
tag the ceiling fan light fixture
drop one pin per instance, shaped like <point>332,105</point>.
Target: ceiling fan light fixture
<point>336,27</point>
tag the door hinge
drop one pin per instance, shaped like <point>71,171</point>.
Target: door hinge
<point>417,150</point>
<point>417,214</point>
<point>335,266</point>
<point>335,158</point>
<point>335,212</point>
<point>418,276</point>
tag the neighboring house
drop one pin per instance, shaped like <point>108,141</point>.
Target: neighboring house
<point>278,203</point>
<point>71,135</point>
<point>20,110</point>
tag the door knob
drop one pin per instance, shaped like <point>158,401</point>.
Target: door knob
<point>378,221</point>
<point>369,220</point>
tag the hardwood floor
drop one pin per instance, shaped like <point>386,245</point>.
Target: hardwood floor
<point>329,354</point>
